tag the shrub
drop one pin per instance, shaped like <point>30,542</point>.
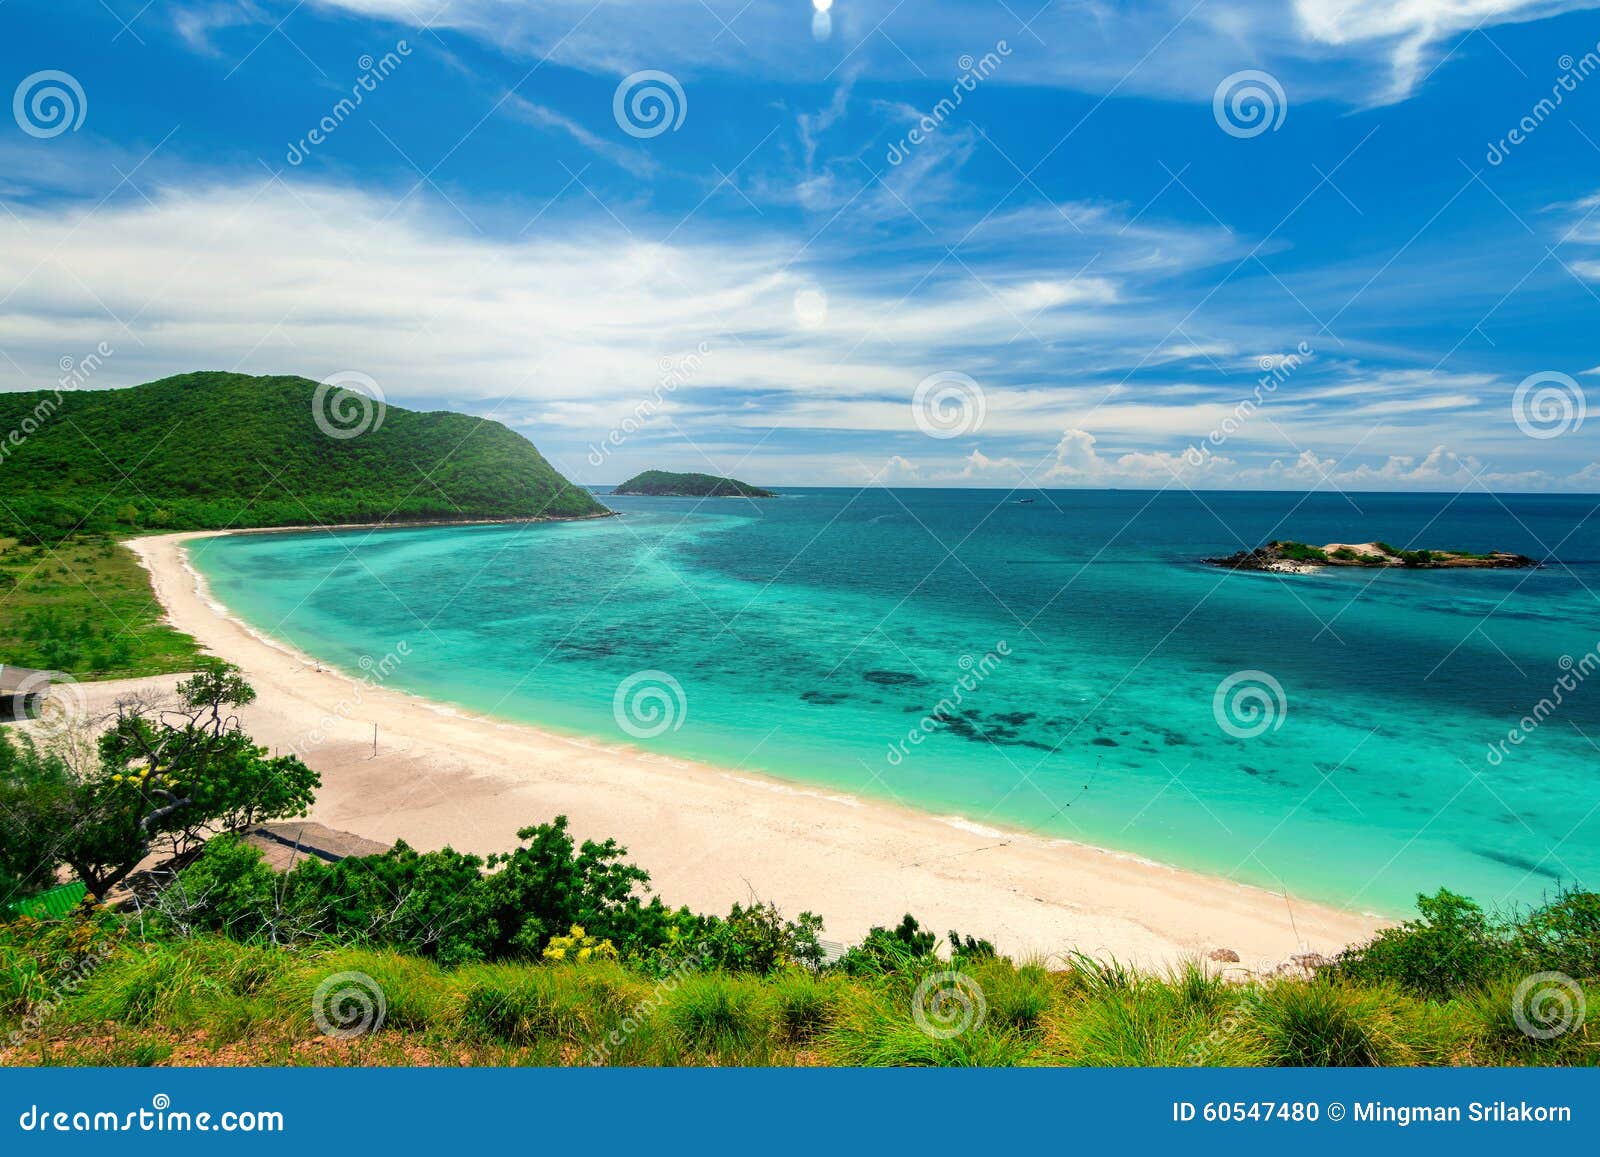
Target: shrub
<point>1453,947</point>
<point>875,1027</point>
<point>803,1006</point>
<point>521,1005</point>
<point>1323,1024</point>
<point>1562,936</point>
<point>578,947</point>
<point>758,939</point>
<point>904,948</point>
<point>718,1014</point>
<point>1018,998</point>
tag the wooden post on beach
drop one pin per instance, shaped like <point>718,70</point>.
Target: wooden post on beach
<point>374,741</point>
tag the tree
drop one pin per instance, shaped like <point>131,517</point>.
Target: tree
<point>173,774</point>
<point>30,783</point>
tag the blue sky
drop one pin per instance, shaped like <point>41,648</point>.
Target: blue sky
<point>1090,270</point>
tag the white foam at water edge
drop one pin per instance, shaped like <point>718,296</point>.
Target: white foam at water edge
<point>962,824</point>
<point>786,789</point>
<point>202,589</point>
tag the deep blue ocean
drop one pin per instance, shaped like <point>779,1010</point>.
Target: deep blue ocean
<point>1342,735</point>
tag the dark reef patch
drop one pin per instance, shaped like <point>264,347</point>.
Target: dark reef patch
<point>890,678</point>
<point>823,697</point>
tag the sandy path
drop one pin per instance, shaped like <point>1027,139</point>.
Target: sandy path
<point>710,837</point>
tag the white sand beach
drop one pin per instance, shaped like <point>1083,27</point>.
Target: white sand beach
<point>709,836</point>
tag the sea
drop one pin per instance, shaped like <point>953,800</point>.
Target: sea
<point>1040,664</point>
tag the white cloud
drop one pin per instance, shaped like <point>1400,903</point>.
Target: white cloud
<point>1077,461</point>
<point>566,329</point>
<point>1408,29</point>
<point>633,160</point>
<point>1167,46</point>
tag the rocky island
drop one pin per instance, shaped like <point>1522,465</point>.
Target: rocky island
<point>1286,557</point>
<point>667,484</point>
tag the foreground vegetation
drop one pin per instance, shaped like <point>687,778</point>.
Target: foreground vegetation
<point>558,952</point>
<point>95,991</point>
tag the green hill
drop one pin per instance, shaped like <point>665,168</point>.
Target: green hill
<point>666,484</point>
<point>211,450</point>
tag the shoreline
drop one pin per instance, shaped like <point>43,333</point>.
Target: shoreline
<point>711,836</point>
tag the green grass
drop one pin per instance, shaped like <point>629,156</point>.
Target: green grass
<point>211,1001</point>
<point>85,606</point>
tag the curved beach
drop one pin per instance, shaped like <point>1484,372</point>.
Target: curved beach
<point>709,836</point>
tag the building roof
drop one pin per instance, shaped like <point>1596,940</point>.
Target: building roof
<point>282,844</point>
<point>14,678</point>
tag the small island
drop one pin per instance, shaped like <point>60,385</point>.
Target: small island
<point>1286,557</point>
<point>667,484</point>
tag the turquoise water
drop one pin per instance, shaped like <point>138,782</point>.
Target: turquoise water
<point>807,636</point>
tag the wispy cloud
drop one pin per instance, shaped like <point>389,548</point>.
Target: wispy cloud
<point>633,160</point>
